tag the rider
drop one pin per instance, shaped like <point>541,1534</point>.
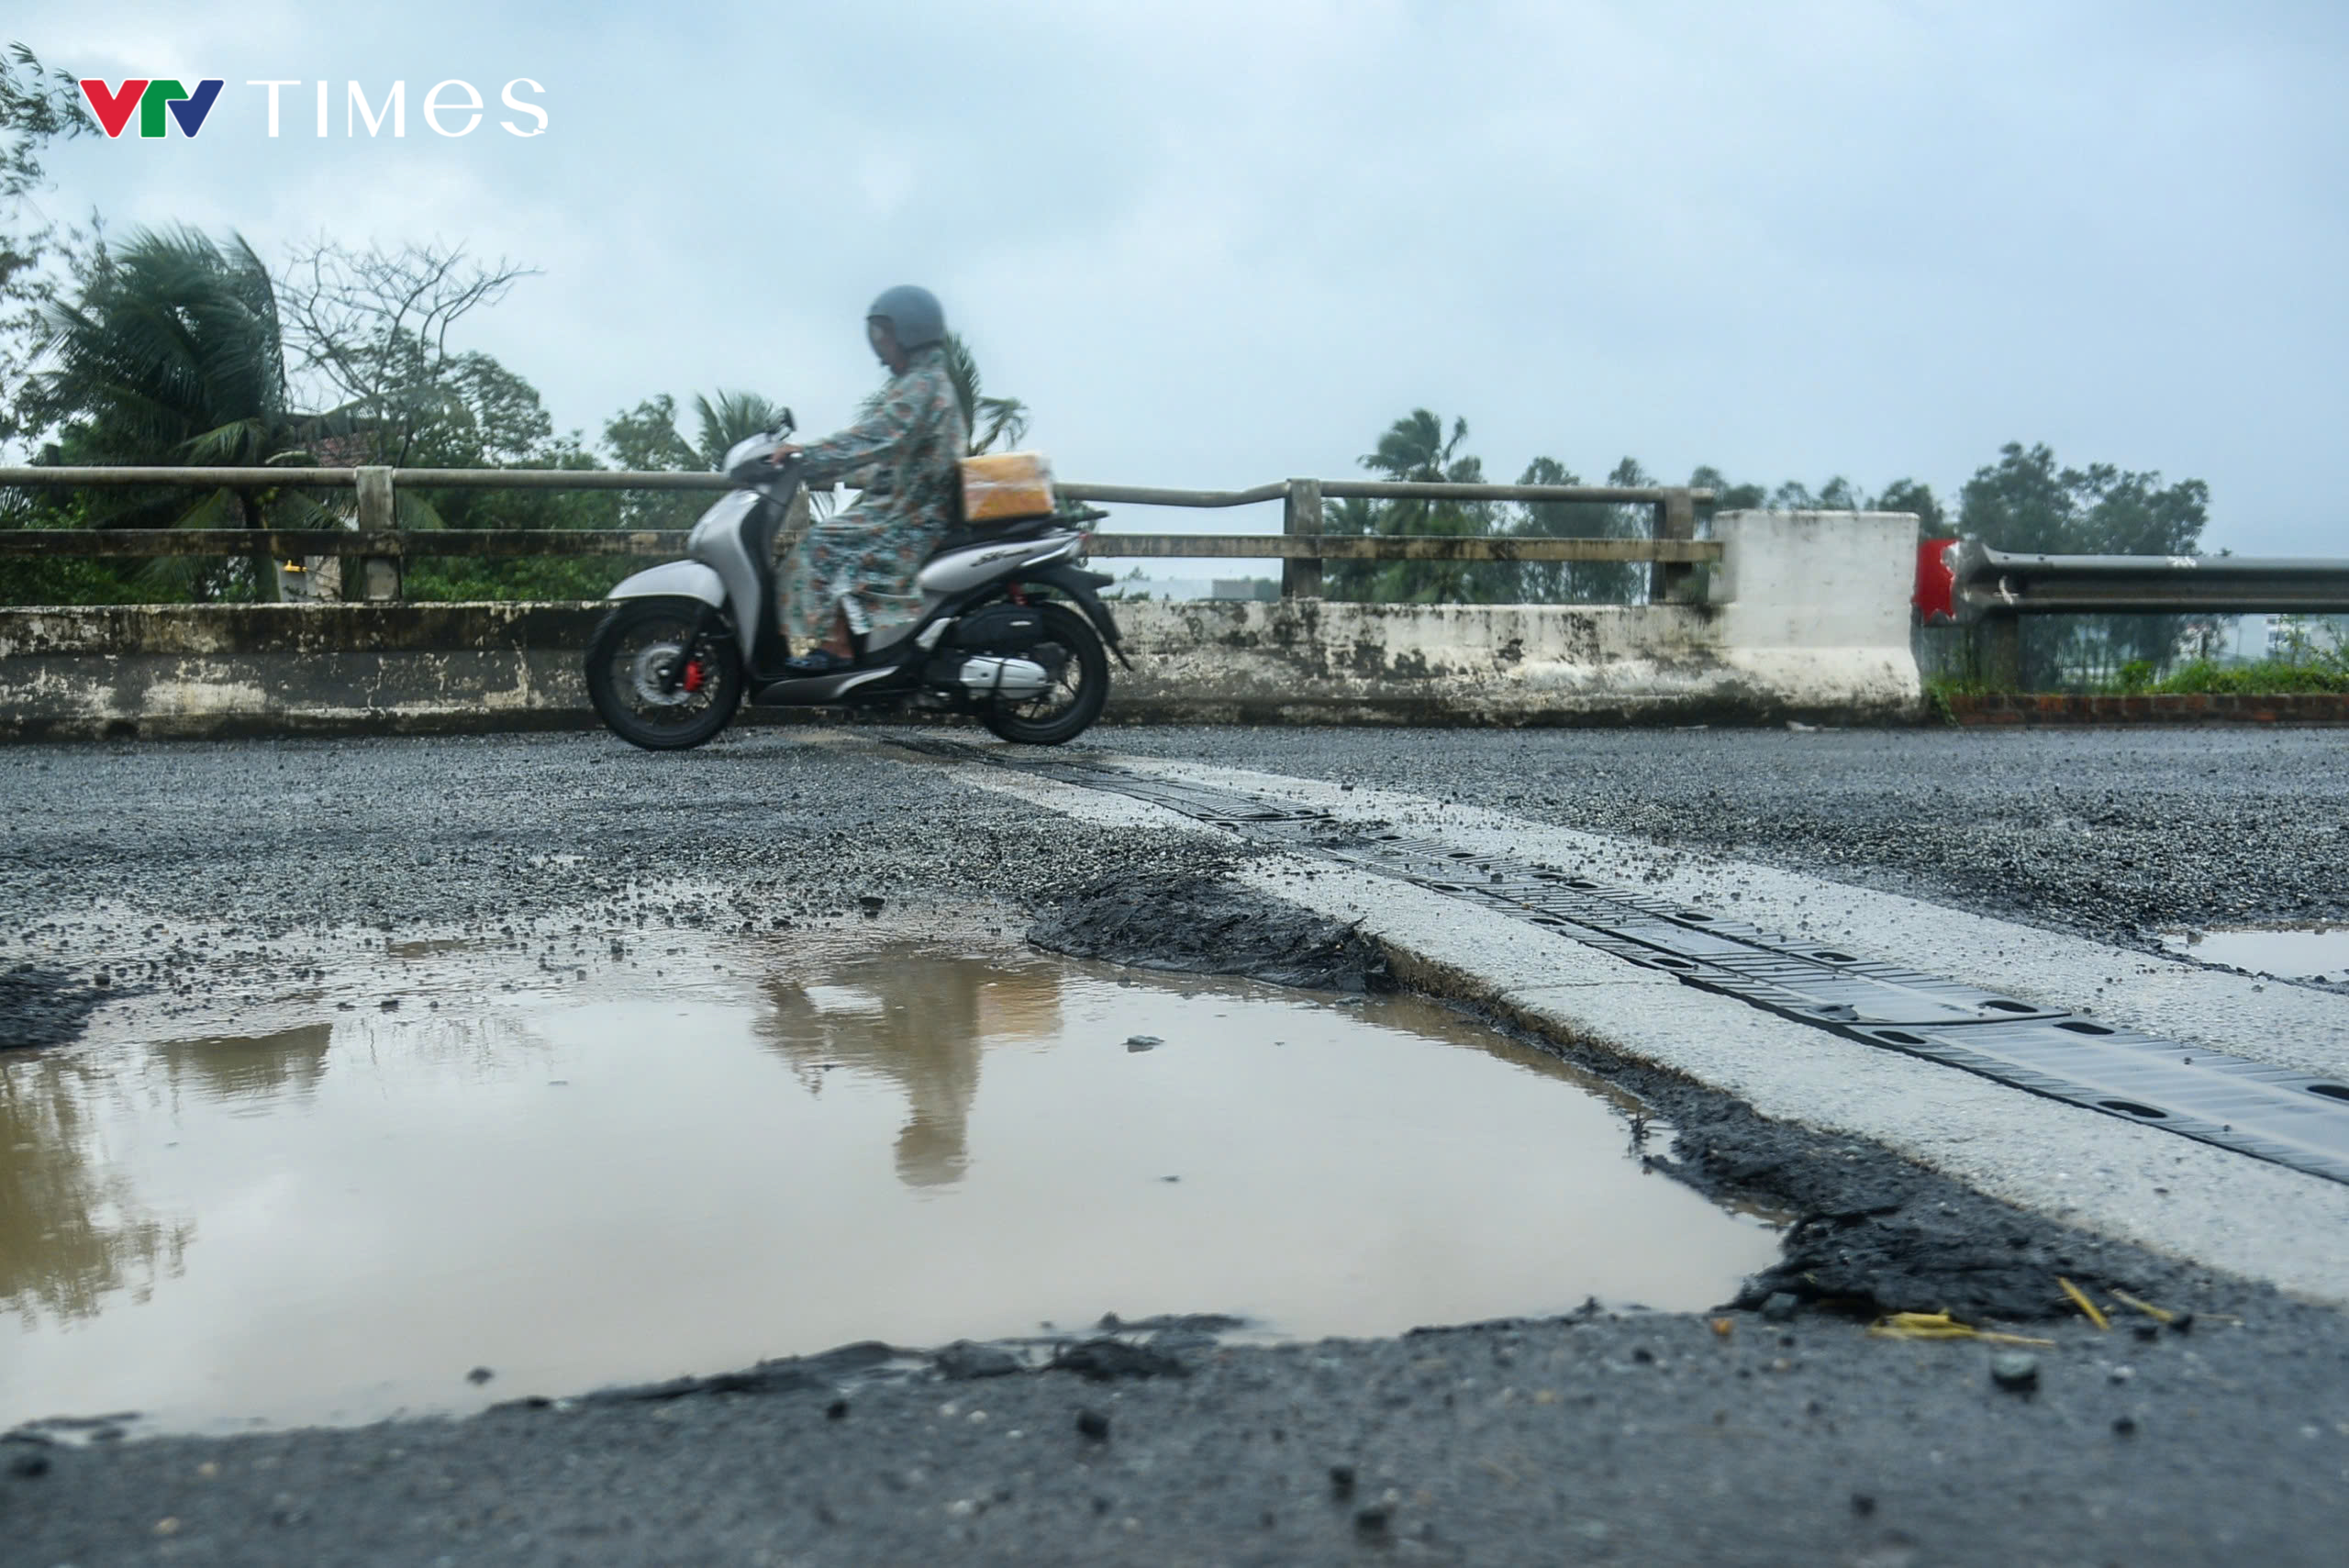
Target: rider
<point>853,574</point>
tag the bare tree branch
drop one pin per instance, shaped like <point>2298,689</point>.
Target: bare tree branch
<point>368,331</point>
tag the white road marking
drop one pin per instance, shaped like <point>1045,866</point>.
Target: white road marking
<point>2117,1178</point>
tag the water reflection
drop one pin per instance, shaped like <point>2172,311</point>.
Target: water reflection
<point>624,1176</point>
<point>2317,952</point>
<point>254,1071</point>
<point>71,1230</point>
<point>917,1021</point>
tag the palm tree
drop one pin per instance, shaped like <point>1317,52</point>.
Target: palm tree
<point>1416,448</point>
<point>729,417</point>
<point>173,355</point>
<point>990,419</point>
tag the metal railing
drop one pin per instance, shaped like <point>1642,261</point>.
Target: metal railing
<point>1989,591</point>
<point>1992,583</point>
<point>374,547</point>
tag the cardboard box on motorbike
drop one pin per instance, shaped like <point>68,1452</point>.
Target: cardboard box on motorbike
<point>1003,487</point>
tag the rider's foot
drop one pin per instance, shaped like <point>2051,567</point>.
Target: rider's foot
<point>822,661</point>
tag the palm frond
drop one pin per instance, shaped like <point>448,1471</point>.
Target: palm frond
<point>729,417</point>
<point>411,510</point>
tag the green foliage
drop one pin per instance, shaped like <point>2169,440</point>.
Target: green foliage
<point>68,580</point>
<point>2025,502</point>
<point>1419,446</point>
<point>1581,582</point>
<point>176,352</point>
<point>990,419</point>
<point>1416,449</point>
<point>1837,495</point>
<point>1941,690</point>
<point>36,106</point>
<point>1727,498</point>
<point>1912,495</point>
<point>645,437</point>
<point>2267,678</point>
<point>172,355</point>
<point>454,580</point>
<point>731,418</point>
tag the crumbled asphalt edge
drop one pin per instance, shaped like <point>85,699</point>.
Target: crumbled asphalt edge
<point>1198,925</point>
<point>44,1004</point>
<point>1114,1350</point>
<point>1873,1232</point>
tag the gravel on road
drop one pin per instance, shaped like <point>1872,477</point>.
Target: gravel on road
<point>1782,1432</point>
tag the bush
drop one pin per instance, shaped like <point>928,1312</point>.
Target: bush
<point>2267,678</point>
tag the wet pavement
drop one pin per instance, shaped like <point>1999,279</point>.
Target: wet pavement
<point>785,1143</point>
<point>2319,954</point>
<point>208,882</point>
<point>2121,834</point>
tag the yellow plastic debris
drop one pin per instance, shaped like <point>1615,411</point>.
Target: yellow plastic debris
<point>1941,1326</point>
<point>2158,1314</point>
<point>2084,1304</point>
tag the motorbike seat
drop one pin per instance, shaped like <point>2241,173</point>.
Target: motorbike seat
<point>964,535</point>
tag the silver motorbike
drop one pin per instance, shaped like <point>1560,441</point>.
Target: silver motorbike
<point>1012,628</point>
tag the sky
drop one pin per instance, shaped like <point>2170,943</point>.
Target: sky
<point>1214,244</point>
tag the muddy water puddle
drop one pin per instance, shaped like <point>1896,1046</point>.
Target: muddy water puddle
<point>2309,952</point>
<point>774,1146</point>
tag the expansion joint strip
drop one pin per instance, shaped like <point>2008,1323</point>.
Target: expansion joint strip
<point>2267,1112</point>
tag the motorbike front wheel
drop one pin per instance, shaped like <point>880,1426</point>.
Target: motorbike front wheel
<point>663,673</point>
<point>1080,683</point>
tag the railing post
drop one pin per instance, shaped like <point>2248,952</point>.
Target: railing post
<point>1301,513</point>
<point>1999,660</point>
<point>1673,582</point>
<point>379,575</point>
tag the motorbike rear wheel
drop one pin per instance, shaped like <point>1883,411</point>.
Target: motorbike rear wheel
<point>649,687</point>
<point>1067,708</point>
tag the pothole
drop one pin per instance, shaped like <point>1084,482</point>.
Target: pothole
<point>575,1170</point>
<point>2306,953</point>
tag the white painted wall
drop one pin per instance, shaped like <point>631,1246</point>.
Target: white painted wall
<point>1807,619</point>
<point>1818,603</point>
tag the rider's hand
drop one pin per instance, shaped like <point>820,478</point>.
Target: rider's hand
<point>789,449</point>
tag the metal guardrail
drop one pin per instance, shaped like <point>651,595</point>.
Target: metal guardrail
<point>1995,583</point>
<point>669,543</point>
<point>375,547</point>
<point>1989,591</point>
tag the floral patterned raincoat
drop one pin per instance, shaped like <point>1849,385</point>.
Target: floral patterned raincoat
<point>862,561</point>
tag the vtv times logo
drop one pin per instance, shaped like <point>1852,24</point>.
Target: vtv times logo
<point>161,102</point>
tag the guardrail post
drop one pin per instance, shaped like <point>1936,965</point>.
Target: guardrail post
<point>378,576</point>
<point>1301,513</point>
<point>1999,651</point>
<point>1673,582</point>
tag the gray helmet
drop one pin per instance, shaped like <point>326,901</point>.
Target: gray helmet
<point>913,313</point>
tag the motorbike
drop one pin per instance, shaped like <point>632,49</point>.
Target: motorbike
<point>1012,628</point>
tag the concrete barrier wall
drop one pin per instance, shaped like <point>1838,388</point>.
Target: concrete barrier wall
<point>1807,619</point>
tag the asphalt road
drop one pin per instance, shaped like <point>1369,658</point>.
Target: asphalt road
<point>2116,833</point>
<point>1647,1438</point>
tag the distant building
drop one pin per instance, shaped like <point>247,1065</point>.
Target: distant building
<point>1242,590</point>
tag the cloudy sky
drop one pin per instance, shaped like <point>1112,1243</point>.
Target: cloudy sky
<point>1217,243</point>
